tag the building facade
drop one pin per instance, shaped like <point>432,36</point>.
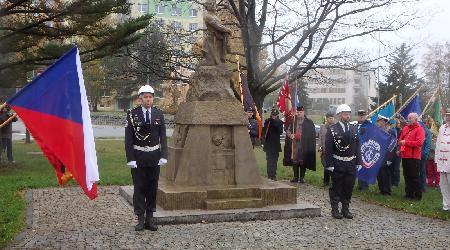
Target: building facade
<point>338,86</point>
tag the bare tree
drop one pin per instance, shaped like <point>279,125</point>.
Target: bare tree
<point>436,64</point>
<point>308,34</point>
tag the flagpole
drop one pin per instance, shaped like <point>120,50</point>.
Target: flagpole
<point>240,80</point>
<point>293,120</point>
<point>406,103</point>
<point>382,106</point>
<point>429,102</point>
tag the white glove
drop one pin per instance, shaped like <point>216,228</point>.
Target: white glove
<point>132,164</point>
<point>162,162</point>
<point>330,169</point>
<point>388,163</point>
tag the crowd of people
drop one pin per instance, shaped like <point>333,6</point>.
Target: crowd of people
<point>423,153</point>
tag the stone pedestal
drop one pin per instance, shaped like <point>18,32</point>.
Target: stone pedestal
<point>211,160</point>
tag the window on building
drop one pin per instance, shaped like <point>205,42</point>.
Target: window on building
<point>193,26</point>
<point>176,25</point>
<point>160,9</point>
<point>159,22</point>
<point>193,12</point>
<point>176,11</point>
<point>142,7</point>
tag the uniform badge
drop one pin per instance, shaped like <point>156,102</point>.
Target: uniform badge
<point>157,121</point>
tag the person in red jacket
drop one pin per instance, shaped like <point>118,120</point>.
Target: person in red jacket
<point>410,142</point>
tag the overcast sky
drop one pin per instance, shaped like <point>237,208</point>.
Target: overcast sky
<point>433,27</point>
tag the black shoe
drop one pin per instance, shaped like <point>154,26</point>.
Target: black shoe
<point>294,180</point>
<point>140,225</point>
<point>336,214</point>
<point>301,180</point>
<point>149,223</point>
<point>347,214</point>
<point>151,227</point>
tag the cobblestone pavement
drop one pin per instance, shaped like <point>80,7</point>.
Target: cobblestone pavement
<point>66,219</point>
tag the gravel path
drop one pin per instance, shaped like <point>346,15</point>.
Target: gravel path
<point>66,219</point>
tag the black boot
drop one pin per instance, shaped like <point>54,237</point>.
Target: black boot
<point>140,225</point>
<point>149,224</point>
<point>295,168</point>
<point>346,212</point>
<point>335,211</point>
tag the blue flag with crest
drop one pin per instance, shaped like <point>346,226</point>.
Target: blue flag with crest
<point>374,145</point>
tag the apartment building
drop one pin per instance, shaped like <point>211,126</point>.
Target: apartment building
<point>338,86</point>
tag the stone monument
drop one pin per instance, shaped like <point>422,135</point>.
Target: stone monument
<point>211,160</point>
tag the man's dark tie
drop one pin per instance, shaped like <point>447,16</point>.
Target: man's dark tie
<point>147,117</point>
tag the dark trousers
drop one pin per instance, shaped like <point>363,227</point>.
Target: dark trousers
<point>326,176</point>
<point>384,179</point>
<point>145,181</point>
<point>396,170</point>
<point>272,162</point>
<point>7,145</point>
<point>342,182</point>
<point>296,169</point>
<point>326,173</point>
<point>423,173</point>
<point>411,173</point>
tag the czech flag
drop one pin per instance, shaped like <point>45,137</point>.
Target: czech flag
<point>55,110</point>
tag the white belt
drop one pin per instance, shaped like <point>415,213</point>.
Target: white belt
<point>146,148</point>
<point>337,157</point>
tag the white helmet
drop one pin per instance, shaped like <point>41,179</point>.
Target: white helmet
<point>343,108</point>
<point>146,89</point>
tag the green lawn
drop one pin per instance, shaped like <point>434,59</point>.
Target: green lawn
<point>33,171</point>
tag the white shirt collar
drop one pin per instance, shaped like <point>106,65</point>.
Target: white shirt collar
<point>343,125</point>
<point>145,110</point>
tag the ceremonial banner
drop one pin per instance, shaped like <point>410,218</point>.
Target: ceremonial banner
<point>55,110</point>
<point>374,145</point>
<point>413,106</point>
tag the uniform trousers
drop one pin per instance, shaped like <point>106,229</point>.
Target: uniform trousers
<point>396,170</point>
<point>384,179</point>
<point>272,162</point>
<point>411,173</point>
<point>145,181</point>
<point>445,190</point>
<point>342,181</point>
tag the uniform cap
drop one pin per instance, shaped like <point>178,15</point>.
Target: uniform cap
<point>343,108</point>
<point>362,112</point>
<point>382,117</point>
<point>146,89</point>
<point>330,113</point>
<point>300,108</point>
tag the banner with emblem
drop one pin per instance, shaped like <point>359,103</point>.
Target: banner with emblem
<point>374,145</point>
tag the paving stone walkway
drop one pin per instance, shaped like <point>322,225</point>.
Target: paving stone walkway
<point>66,219</point>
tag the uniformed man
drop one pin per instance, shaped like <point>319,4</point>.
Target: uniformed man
<point>252,125</point>
<point>146,151</point>
<point>273,128</point>
<point>329,120</point>
<point>342,155</point>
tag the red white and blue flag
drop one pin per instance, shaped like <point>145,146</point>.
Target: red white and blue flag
<point>55,110</point>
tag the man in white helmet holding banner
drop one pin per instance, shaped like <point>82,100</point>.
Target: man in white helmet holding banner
<point>342,156</point>
<point>146,151</point>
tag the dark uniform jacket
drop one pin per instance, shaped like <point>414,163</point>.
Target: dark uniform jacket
<point>6,131</point>
<point>140,133</point>
<point>341,144</point>
<point>272,130</point>
<point>252,127</point>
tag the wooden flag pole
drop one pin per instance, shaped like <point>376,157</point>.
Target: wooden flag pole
<point>429,102</point>
<point>382,105</point>
<point>240,80</point>
<point>406,103</point>
<point>293,120</point>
